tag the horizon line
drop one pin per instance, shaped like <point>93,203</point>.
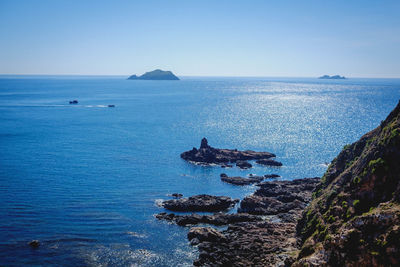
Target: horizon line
<point>197,76</point>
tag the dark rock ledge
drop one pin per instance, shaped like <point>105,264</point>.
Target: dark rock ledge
<point>241,180</point>
<point>269,162</point>
<point>205,203</point>
<point>207,155</point>
<point>252,179</point>
<point>215,219</point>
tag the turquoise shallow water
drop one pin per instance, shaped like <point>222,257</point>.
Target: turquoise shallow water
<point>85,179</point>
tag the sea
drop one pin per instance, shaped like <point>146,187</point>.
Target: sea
<point>86,179</point>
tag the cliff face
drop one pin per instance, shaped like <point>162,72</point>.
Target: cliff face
<point>354,217</point>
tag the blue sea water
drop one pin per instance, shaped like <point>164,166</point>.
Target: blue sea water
<point>85,179</point>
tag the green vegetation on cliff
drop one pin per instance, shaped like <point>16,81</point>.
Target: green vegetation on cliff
<point>354,217</point>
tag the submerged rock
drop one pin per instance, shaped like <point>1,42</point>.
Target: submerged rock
<point>200,203</point>
<point>34,243</point>
<point>209,155</point>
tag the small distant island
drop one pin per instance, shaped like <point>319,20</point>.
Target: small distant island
<point>155,75</point>
<point>333,77</point>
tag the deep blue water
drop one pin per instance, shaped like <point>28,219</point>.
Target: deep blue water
<point>85,179</point>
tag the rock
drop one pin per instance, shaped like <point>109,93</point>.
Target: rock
<point>208,155</point>
<point>176,195</point>
<point>226,165</point>
<point>204,144</point>
<point>200,203</point>
<point>241,180</point>
<point>271,176</point>
<point>243,164</point>
<point>215,219</point>
<point>275,197</point>
<point>250,239</point>
<point>155,75</point>
<point>245,244</point>
<point>34,243</point>
<point>269,162</point>
<point>261,242</point>
<point>205,234</point>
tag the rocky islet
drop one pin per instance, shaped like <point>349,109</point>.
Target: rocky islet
<point>207,155</point>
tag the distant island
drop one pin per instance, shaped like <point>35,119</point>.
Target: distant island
<point>155,75</point>
<point>333,77</point>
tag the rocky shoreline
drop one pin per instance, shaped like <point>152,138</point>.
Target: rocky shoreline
<point>261,233</point>
<point>263,230</point>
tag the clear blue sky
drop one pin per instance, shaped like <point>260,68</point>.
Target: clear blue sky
<point>205,38</point>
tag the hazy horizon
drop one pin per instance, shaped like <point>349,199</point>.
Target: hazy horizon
<point>223,39</point>
<point>192,76</point>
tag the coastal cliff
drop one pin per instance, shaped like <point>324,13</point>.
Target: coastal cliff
<point>354,217</point>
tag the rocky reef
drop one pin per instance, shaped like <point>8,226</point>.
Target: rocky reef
<point>261,233</point>
<point>354,217</point>
<point>200,203</point>
<point>207,155</point>
<point>155,75</point>
<point>270,241</point>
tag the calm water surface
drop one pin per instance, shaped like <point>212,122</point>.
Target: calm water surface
<point>85,179</point>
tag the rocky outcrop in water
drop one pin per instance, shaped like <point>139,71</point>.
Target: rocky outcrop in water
<point>208,155</point>
<point>242,164</point>
<point>34,244</point>
<point>214,219</point>
<point>271,176</point>
<point>269,162</point>
<point>275,197</point>
<point>354,218</point>
<point>200,203</point>
<point>241,180</point>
